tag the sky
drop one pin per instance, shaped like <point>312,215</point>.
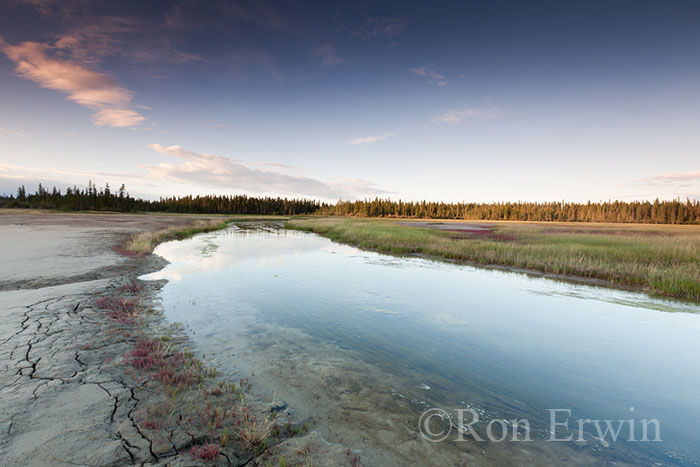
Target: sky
<point>452,101</point>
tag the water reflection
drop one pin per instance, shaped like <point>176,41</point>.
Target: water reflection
<point>364,342</point>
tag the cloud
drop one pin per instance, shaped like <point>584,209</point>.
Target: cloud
<point>327,55</point>
<point>370,139</point>
<point>68,176</point>
<point>97,91</point>
<point>259,15</point>
<point>377,27</point>
<point>679,179</point>
<point>64,8</point>
<point>189,15</point>
<point>135,38</point>
<point>215,171</point>
<point>670,185</point>
<point>435,78</point>
<point>456,116</point>
<point>117,118</point>
<point>6,131</point>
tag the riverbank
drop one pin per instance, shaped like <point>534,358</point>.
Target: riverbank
<point>658,259</point>
<point>94,375</point>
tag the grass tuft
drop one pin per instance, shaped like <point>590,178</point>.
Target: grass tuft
<point>145,242</point>
<point>254,433</point>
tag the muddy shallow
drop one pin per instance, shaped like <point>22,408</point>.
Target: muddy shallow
<point>363,343</point>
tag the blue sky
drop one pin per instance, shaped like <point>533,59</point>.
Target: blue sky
<point>476,101</point>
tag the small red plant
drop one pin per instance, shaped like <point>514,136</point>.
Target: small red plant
<point>206,452</point>
<point>122,250</point>
<point>132,288</point>
<point>120,309</point>
<point>147,354</point>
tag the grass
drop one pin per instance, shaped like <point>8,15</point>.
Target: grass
<point>143,243</point>
<point>662,260</point>
<point>254,433</point>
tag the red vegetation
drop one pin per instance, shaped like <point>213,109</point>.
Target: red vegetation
<point>147,354</point>
<point>120,309</point>
<point>122,250</point>
<point>207,452</point>
<point>132,288</point>
<point>487,234</point>
<point>587,231</point>
<point>174,369</point>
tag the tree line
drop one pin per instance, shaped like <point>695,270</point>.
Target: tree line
<point>648,212</point>
<point>105,199</point>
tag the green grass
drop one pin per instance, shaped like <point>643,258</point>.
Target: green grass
<point>663,260</point>
<point>143,243</point>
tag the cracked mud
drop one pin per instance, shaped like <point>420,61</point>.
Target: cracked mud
<point>72,392</point>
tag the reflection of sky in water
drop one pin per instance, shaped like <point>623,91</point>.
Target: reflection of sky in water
<point>544,343</point>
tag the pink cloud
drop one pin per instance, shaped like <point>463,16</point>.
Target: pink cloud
<point>673,178</point>
<point>97,91</point>
<point>215,171</point>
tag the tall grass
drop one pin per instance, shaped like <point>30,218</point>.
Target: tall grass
<point>143,243</point>
<point>663,261</point>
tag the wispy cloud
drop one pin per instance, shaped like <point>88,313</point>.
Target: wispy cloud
<point>375,28</point>
<point>69,176</point>
<point>120,36</point>
<point>434,77</point>
<point>6,131</point>
<point>97,91</point>
<point>669,185</point>
<point>679,179</point>
<point>65,8</point>
<point>457,116</point>
<point>215,171</point>
<point>370,139</point>
<point>327,55</point>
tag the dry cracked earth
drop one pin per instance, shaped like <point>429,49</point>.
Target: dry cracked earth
<point>74,391</point>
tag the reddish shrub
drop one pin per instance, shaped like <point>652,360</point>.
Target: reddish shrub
<point>207,452</point>
<point>147,354</point>
<point>132,288</point>
<point>120,309</point>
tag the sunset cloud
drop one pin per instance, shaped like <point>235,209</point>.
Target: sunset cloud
<point>97,91</point>
<point>215,171</point>
<point>370,139</point>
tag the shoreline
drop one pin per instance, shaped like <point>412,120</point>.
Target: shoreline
<point>97,376</point>
<point>478,228</point>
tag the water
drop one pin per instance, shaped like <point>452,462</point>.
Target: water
<point>363,343</point>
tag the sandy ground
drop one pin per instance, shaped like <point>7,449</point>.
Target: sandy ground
<point>66,396</point>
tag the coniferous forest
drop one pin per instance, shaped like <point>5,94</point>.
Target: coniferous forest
<point>106,199</point>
